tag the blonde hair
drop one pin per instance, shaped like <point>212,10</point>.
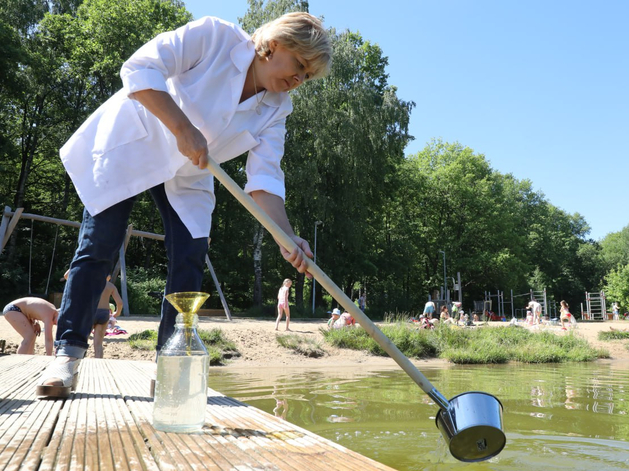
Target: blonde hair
<point>299,32</point>
<point>287,280</point>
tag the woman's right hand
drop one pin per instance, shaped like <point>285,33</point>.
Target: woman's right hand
<point>192,144</point>
<point>190,141</point>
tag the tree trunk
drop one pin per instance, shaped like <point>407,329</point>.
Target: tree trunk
<point>30,135</point>
<point>258,236</point>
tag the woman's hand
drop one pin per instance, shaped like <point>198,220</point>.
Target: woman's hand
<point>297,257</point>
<point>190,141</point>
<point>192,144</point>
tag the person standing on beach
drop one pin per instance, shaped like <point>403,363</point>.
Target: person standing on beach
<point>362,301</point>
<point>24,315</point>
<point>205,91</point>
<point>429,309</point>
<point>103,315</point>
<point>282,303</point>
<point>537,311</point>
<point>564,314</point>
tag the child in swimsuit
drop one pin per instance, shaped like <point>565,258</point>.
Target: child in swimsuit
<point>282,303</point>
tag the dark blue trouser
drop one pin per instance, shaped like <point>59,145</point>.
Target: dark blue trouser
<point>100,239</point>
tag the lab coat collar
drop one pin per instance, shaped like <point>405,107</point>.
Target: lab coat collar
<point>242,55</point>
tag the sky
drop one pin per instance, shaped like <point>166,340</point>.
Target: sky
<point>539,87</point>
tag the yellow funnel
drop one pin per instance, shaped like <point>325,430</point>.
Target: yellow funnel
<point>187,302</point>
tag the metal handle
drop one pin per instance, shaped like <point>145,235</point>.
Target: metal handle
<point>288,243</point>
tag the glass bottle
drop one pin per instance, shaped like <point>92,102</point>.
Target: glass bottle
<point>182,371</point>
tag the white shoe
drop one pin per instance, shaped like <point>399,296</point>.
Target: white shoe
<point>59,379</point>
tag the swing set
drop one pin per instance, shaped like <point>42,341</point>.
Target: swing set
<point>10,220</point>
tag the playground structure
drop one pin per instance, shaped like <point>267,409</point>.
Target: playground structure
<point>487,303</point>
<point>10,220</point>
<point>596,307</point>
<point>444,296</point>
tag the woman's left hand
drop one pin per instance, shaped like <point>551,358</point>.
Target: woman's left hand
<point>297,257</point>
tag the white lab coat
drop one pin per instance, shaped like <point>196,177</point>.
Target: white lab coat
<point>122,149</point>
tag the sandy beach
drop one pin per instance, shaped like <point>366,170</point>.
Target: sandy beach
<point>255,340</point>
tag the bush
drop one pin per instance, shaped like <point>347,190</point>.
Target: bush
<point>13,279</point>
<point>471,346</point>
<point>145,340</point>
<point>218,346</point>
<point>266,310</point>
<point>491,353</point>
<point>140,283</point>
<point>415,343</point>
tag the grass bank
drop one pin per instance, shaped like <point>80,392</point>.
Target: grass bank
<point>478,345</point>
<point>218,346</point>
<point>302,345</point>
<point>613,335</point>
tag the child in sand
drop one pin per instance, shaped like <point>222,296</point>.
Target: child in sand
<point>282,303</point>
<point>564,314</point>
<point>24,315</point>
<point>103,314</point>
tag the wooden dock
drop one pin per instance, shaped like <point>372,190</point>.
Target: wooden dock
<point>106,425</point>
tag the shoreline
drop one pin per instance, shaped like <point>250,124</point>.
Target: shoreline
<point>255,340</point>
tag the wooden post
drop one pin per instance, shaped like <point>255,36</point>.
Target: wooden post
<point>8,229</point>
<point>123,282</point>
<point>125,244</point>
<point>121,267</point>
<point>218,287</point>
<point>4,225</point>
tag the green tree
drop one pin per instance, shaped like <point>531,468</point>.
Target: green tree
<point>344,139</point>
<point>615,249</point>
<point>453,201</point>
<point>617,286</point>
<point>68,65</point>
<point>344,142</point>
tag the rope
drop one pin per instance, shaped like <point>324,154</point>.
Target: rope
<point>52,259</point>
<point>30,258</point>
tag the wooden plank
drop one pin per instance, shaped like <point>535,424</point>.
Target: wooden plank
<point>111,444</point>
<point>285,443</point>
<point>211,313</point>
<point>107,424</point>
<point>132,438</point>
<point>99,446</point>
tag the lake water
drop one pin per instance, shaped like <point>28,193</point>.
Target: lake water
<point>560,416</point>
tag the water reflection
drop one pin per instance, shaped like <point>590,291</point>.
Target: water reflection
<point>564,416</point>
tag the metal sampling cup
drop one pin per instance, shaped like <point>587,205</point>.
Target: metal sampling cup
<point>472,426</point>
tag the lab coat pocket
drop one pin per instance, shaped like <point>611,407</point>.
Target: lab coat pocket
<point>118,125</point>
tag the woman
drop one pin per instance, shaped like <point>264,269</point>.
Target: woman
<point>282,303</point>
<point>206,90</point>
